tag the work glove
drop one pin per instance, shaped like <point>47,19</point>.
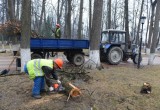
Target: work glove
<point>51,88</point>
<point>58,81</point>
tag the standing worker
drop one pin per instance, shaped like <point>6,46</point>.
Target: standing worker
<point>57,32</point>
<point>40,70</point>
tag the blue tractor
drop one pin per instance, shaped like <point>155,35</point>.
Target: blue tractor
<point>114,48</point>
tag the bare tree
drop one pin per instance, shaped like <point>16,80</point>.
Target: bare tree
<point>109,14</point>
<point>115,13</point>
<point>42,13</point>
<point>153,5</point>
<point>79,31</point>
<point>127,25</point>
<point>11,9</point>
<point>58,14</point>
<point>95,32</point>
<point>148,18</point>
<point>18,9</point>
<point>68,19</point>
<point>26,32</point>
<point>90,16</point>
<point>155,33</point>
<point>137,37</point>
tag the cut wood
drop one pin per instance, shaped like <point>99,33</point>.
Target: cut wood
<point>70,89</point>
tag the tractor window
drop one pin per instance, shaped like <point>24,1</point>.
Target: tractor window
<point>114,37</point>
<point>122,37</point>
<point>105,37</point>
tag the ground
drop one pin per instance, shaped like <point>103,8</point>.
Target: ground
<point>112,88</point>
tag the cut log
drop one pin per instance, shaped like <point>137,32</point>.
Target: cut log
<point>70,89</point>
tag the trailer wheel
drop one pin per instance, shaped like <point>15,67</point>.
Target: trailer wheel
<point>78,59</point>
<point>36,55</point>
<point>135,59</point>
<point>115,55</point>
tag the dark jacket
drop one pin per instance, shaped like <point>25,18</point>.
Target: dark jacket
<point>49,73</point>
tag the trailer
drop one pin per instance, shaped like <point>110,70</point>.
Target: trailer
<point>72,48</point>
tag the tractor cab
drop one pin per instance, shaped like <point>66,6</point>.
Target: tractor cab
<point>114,48</point>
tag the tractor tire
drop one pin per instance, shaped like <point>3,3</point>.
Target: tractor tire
<point>135,59</point>
<point>78,59</point>
<point>36,55</point>
<point>115,55</point>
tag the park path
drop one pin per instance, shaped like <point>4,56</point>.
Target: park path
<point>6,60</point>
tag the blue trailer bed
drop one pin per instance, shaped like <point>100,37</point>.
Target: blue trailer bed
<point>72,48</point>
<point>37,43</point>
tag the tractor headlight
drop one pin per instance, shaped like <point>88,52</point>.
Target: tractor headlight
<point>103,46</point>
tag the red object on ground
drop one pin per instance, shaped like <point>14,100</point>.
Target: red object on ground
<point>55,86</point>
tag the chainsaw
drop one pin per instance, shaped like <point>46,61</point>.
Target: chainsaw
<point>58,87</point>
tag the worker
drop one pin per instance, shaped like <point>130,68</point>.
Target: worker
<point>40,70</point>
<point>57,31</point>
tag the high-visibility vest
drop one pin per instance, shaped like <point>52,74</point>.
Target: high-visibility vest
<point>57,33</point>
<point>34,67</point>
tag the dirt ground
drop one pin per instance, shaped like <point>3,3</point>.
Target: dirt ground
<point>111,88</point>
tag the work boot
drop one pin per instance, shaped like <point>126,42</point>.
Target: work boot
<point>37,96</point>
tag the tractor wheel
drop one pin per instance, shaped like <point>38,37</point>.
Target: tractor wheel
<point>135,59</point>
<point>78,59</point>
<point>115,55</point>
<point>36,55</point>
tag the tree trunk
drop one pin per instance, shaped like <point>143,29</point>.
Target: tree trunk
<point>109,14</point>
<point>115,13</point>
<point>11,9</point>
<point>148,18</point>
<point>70,89</point>
<point>17,11</point>
<point>155,34</point>
<point>90,18</point>
<point>137,37</point>
<point>127,26</point>
<point>41,17</point>
<point>68,25</point>
<point>65,19</point>
<point>3,16</point>
<point>151,26</point>
<point>80,20</point>
<point>26,32</point>
<point>95,34</point>
<point>58,17</point>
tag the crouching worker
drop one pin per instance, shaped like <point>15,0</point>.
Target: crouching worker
<point>41,70</point>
